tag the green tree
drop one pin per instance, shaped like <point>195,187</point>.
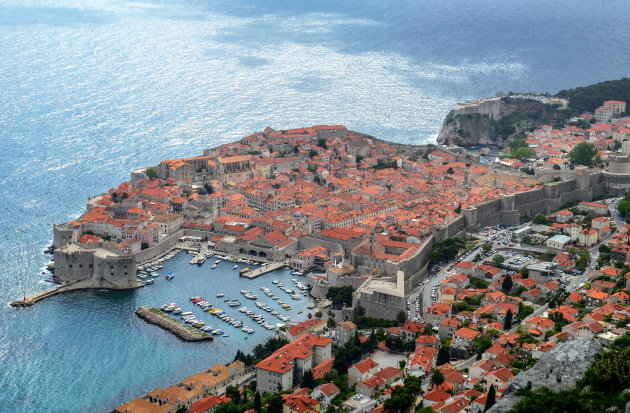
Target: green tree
<point>257,403</point>
<point>275,403</point>
<point>401,317</point>
<point>624,208</point>
<point>151,173</point>
<point>583,154</point>
<point>507,284</point>
<point>518,143</point>
<point>540,219</point>
<point>443,356</point>
<point>308,380</point>
<point>486,247</point>
<point>498,260</point>
<point>321,142</point>
<point>507,322</point>
<point>312,153</point>
<point>437,377</point>
<point>318,315</point>
<point>402,364</point>
<point>524,154</point>
<point>492,398</point>
<point>233,393</point>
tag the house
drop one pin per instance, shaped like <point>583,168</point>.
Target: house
<point>595,297</point>
<point>481,367</point>
<point>389,375</point>
<point>486,272</point>
<point>295,331</point>
<point>430,341</point>
<point>448,327</point>
<point>499,378</point>
<point>344,331</point>
<point>361,371</point>
<point>300,402</point>
<point>532,295</point>
<point>558,242</point>
<point>435,396</point>
<point>437,313</point>
<point>410,330</point>
<point>287,364</point>
<point>370,386</point>
<point>325,393</point>
<point>465,334</point>
<point>422,360</point>
<point>588,237</point>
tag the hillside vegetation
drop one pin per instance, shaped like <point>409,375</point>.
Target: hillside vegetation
<point>589,98</point>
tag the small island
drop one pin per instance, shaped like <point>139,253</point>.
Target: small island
<point>185,333</point>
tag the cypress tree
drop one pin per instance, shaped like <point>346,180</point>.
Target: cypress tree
<point>492,398</point>
<point>507,323</point>
<point>507,284</point>
<point>257,403</point>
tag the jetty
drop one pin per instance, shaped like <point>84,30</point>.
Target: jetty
<point>79,285</point>
<point>262,270</point>
<point>185,333</point>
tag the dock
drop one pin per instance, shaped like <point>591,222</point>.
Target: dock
<point>262,270</point>
<point>80,285</point>
<point>159,318</point>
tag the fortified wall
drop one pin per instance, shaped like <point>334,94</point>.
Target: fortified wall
<point>508,209</point>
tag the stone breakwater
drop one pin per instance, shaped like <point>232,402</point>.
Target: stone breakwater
<point>185,333</point>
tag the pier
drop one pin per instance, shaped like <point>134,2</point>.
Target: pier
<point>80,285</point>
<point>262,270</point>
<point>185,333</point>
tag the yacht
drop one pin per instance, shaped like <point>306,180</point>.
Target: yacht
<point>217,262</point>
<point>234,303</point>
<point>220,295</point>
<point>148,282</point>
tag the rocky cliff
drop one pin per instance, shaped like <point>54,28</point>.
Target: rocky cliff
<point>559,369</point>
<point>478,123</point>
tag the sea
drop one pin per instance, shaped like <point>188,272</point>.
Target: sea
<point>90,89</point>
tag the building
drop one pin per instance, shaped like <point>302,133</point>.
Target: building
<point>558,242</point>
<point>344,331</point>
<point>287,365</point>
<point>361,371</point>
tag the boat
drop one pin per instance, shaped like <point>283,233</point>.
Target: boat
<point>177,311</point>
<point>220,295</point>
<point>148,282</point>
<point>217,262</point>
<point>300,312</point>
<point>234,303</point>
<point>244,270</point>
<point>310,306</point>
<point>226,335</point>
<point>235,267</point>
<point>200,260</point>
<point>214,266</point>
<point>170,276</point>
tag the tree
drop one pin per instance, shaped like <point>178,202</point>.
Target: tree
<point>498,260</point>
<point>318,315</point>
<point>437,377</point>
<point>486,247</point>
<point>275,403</point>
<point>402,364</point>
<point>360,311</point>
<point>308,380</point>
<point>401,317</point>
<point>257,403</point>
<point>624,208</point>
<point>518,143</point>
<point>583,154</point>
<point>458,209</point>
<point>233,393</point>
<point>491,399</point>
<point>507,284</point>
<point>524,153</point>
<point>540,219</point>
<point>450,171</point>
<point>443,356</point>
<point>151,173</point>
<point>321,142</point>
<point>312,153</point>
<point>507,322</point>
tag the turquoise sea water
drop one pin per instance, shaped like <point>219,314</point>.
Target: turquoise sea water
<point>91,89</point>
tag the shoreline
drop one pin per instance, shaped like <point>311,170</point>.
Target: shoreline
<point>160,319</point>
